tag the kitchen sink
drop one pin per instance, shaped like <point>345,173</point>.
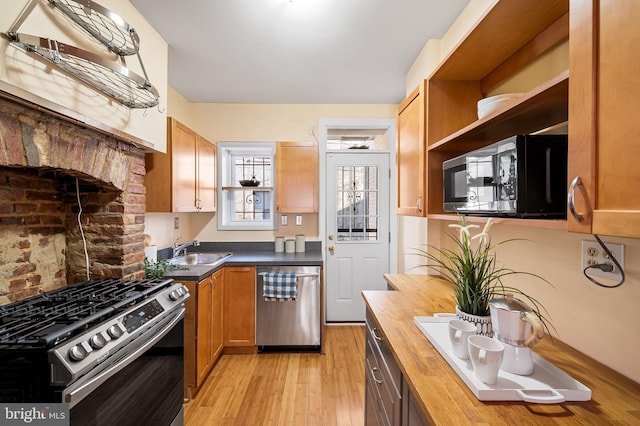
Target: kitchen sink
<point>199,258</point>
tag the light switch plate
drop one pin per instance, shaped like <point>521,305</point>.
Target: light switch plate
<point>176,222</point>
<point>298,220</point>
<point>283,220</point>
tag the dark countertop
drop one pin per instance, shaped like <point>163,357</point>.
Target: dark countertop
<point>247,254</point>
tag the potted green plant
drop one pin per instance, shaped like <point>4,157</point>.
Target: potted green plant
<point>472,269</point>
<point>153,270</point>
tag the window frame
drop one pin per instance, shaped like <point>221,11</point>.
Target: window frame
<point>226,152</point>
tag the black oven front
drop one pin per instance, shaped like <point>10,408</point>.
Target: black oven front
<point>144,388</point>
<point>113,352</point>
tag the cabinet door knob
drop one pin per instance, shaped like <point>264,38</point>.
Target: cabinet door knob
<point>419,203</point>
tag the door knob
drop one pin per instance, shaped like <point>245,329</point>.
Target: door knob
<point>331,237</point>
<point>331,249</point>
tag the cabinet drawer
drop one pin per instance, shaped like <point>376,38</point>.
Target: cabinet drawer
<point>388,363</point>
<point>388,402</point>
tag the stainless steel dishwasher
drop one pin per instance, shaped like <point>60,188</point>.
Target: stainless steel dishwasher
<point>290,324</point>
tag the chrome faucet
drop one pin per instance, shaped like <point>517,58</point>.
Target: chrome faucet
<point>181,249</point>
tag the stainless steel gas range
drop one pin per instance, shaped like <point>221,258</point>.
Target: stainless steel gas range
<point>110,349</point>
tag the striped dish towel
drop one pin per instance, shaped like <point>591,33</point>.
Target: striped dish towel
<point>279,286</point>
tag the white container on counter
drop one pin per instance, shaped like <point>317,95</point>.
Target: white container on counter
<point>151,253</point>
<point>290,246</point>
<point>279,244</point>
<point>300,243</point>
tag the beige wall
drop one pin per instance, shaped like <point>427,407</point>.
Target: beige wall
<point>248,122</point>
<point>49,85</point>
<point>599,322</point>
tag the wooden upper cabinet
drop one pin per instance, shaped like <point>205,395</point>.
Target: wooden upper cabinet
<point>411,154</point>
<point>183,179</point>
<point>206,195</point>
<point>439,120</point>
<point>183,144</point>
<point>296,177</point>
<point>604,96</point>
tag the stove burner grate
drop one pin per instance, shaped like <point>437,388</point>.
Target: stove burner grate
<point>50,318</point>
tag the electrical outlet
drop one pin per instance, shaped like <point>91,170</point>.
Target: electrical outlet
<point>283,220</point>
<point>298,220</point>
<point>593,254</point>
<point>176,223</point>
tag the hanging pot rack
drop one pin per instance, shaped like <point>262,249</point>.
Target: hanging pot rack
<point>114,80</point>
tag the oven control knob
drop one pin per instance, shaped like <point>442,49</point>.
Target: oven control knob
<point>114,331</point>
<point>77,353</point>
<point>97,341</point>
<point>174,295</point>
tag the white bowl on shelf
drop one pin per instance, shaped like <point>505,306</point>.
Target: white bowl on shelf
<point>491,104</point>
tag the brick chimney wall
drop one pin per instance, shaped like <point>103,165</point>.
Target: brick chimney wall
<point>45,164</point>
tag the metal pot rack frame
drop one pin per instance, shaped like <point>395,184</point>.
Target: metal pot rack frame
<point>114,80</point>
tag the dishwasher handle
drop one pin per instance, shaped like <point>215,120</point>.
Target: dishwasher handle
<point>297,275</point>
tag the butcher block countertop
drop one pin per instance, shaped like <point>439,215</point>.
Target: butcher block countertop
<point>444,397</point>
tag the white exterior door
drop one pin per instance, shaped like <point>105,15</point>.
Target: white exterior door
<point>357,244</point>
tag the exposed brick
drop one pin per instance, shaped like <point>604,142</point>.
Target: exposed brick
<point>10,221</point>
<point>31,220</point>
<point>17,284</point>
<point>7,194</point>
<point>136,189</point>
<point>42,195</point>
<point>51,220</point>
<point>6,208</point>
<point>135,208</point>
<point>42,201</point>
<point>50,208</point>
<point>22,208</point>
<point>19,295</point>
<point>11,149</point>
<point>24,269</point>
<point>24,244</point>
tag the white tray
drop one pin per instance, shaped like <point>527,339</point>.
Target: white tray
<point>547,385</point>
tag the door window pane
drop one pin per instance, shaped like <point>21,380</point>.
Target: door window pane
<point>357,203</point>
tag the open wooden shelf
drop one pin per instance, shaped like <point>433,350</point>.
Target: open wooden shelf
<point>544,106</point>
<point>503,30</point>
<point>247,188</point>
<point>533,223</point>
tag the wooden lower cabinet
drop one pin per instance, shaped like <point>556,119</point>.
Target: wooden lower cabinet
<point>203,328</point>
<point>383,380</point>
<point>412,415</point>
<point>388,399</point>
<point>217,315</point>
<point>240,309</point>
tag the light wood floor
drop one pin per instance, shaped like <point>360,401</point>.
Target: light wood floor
<point>287,388</point>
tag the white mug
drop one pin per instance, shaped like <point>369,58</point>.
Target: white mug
<point>486,357</point>
<point>459,332</point>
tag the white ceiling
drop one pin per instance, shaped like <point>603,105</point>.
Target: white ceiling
<point>300,51</point>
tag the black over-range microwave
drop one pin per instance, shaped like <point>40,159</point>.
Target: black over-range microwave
<point>522,176</point>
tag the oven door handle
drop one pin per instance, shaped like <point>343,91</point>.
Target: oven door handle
<point>79,390</point>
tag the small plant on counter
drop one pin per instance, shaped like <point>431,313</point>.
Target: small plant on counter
<point>471,268</point>
<point>153,270</point>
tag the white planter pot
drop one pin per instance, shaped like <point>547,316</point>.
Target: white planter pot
<point>482,323</point>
